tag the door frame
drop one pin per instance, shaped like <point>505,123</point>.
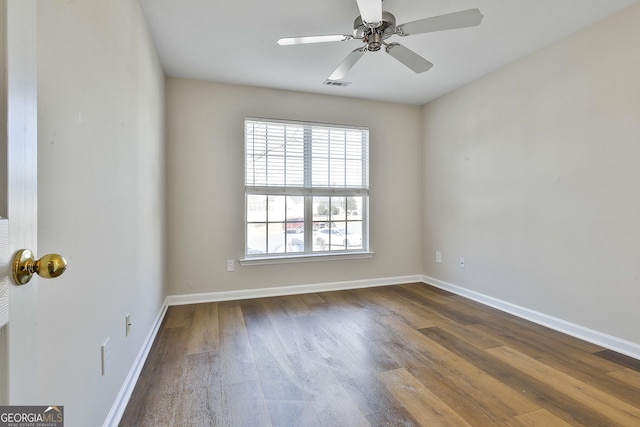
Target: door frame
<point>18,351</point>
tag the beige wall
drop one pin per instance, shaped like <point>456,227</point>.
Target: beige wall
<point>531,174</point>
<point>206,186</point>
<point>101,198</point>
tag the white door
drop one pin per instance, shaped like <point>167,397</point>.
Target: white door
<point>18,199</point>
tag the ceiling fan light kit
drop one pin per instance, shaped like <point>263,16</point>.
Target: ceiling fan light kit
<point>374,26</point>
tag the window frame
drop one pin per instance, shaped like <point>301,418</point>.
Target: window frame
<point>309,192</point>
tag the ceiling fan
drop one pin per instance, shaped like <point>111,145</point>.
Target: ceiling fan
<point>374,26</point>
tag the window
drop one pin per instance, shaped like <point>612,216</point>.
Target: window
<point>306,188</point>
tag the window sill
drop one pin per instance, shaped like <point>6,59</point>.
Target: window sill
<point>305,258</point>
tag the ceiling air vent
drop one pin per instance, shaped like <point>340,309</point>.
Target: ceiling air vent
<point>336,83</point>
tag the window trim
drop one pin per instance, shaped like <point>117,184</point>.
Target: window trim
<point>289,259</point>
<point>309,192</point>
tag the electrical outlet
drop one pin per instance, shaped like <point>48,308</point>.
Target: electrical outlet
<point>105,352</point>
<point>438,257</point>
<point>231,265</point>
<point>127,325</point>
<point>461,262</point>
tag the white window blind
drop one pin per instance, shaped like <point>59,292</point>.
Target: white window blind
<point>298,155</point>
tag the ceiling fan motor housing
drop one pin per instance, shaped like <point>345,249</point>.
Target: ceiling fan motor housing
<point>374,35</point>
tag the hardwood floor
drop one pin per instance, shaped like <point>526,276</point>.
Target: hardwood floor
<point>405,355</point>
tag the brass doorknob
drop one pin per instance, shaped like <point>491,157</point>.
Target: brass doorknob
<point>25,264</point>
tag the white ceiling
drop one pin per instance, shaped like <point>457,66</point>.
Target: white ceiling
<point>235,42</point>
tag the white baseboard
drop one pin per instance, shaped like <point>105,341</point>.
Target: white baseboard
<point>288,290</point>
<point>607,341</point>
<point>619,345</point>
<point>120,404</point>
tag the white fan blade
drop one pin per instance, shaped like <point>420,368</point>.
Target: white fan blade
<point>450,21</point>
<point>370,11</point>
<point>287,41</point>
<point>408,57</point>
<point>347,64</point>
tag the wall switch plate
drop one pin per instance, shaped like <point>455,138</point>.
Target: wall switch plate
<point>438,257</point>
<point>127,324</point>
<point>231,265</point>
<point>461,262</point>
<point>105,352</point>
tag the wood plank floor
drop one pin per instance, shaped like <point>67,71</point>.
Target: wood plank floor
<point>407,355</point>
